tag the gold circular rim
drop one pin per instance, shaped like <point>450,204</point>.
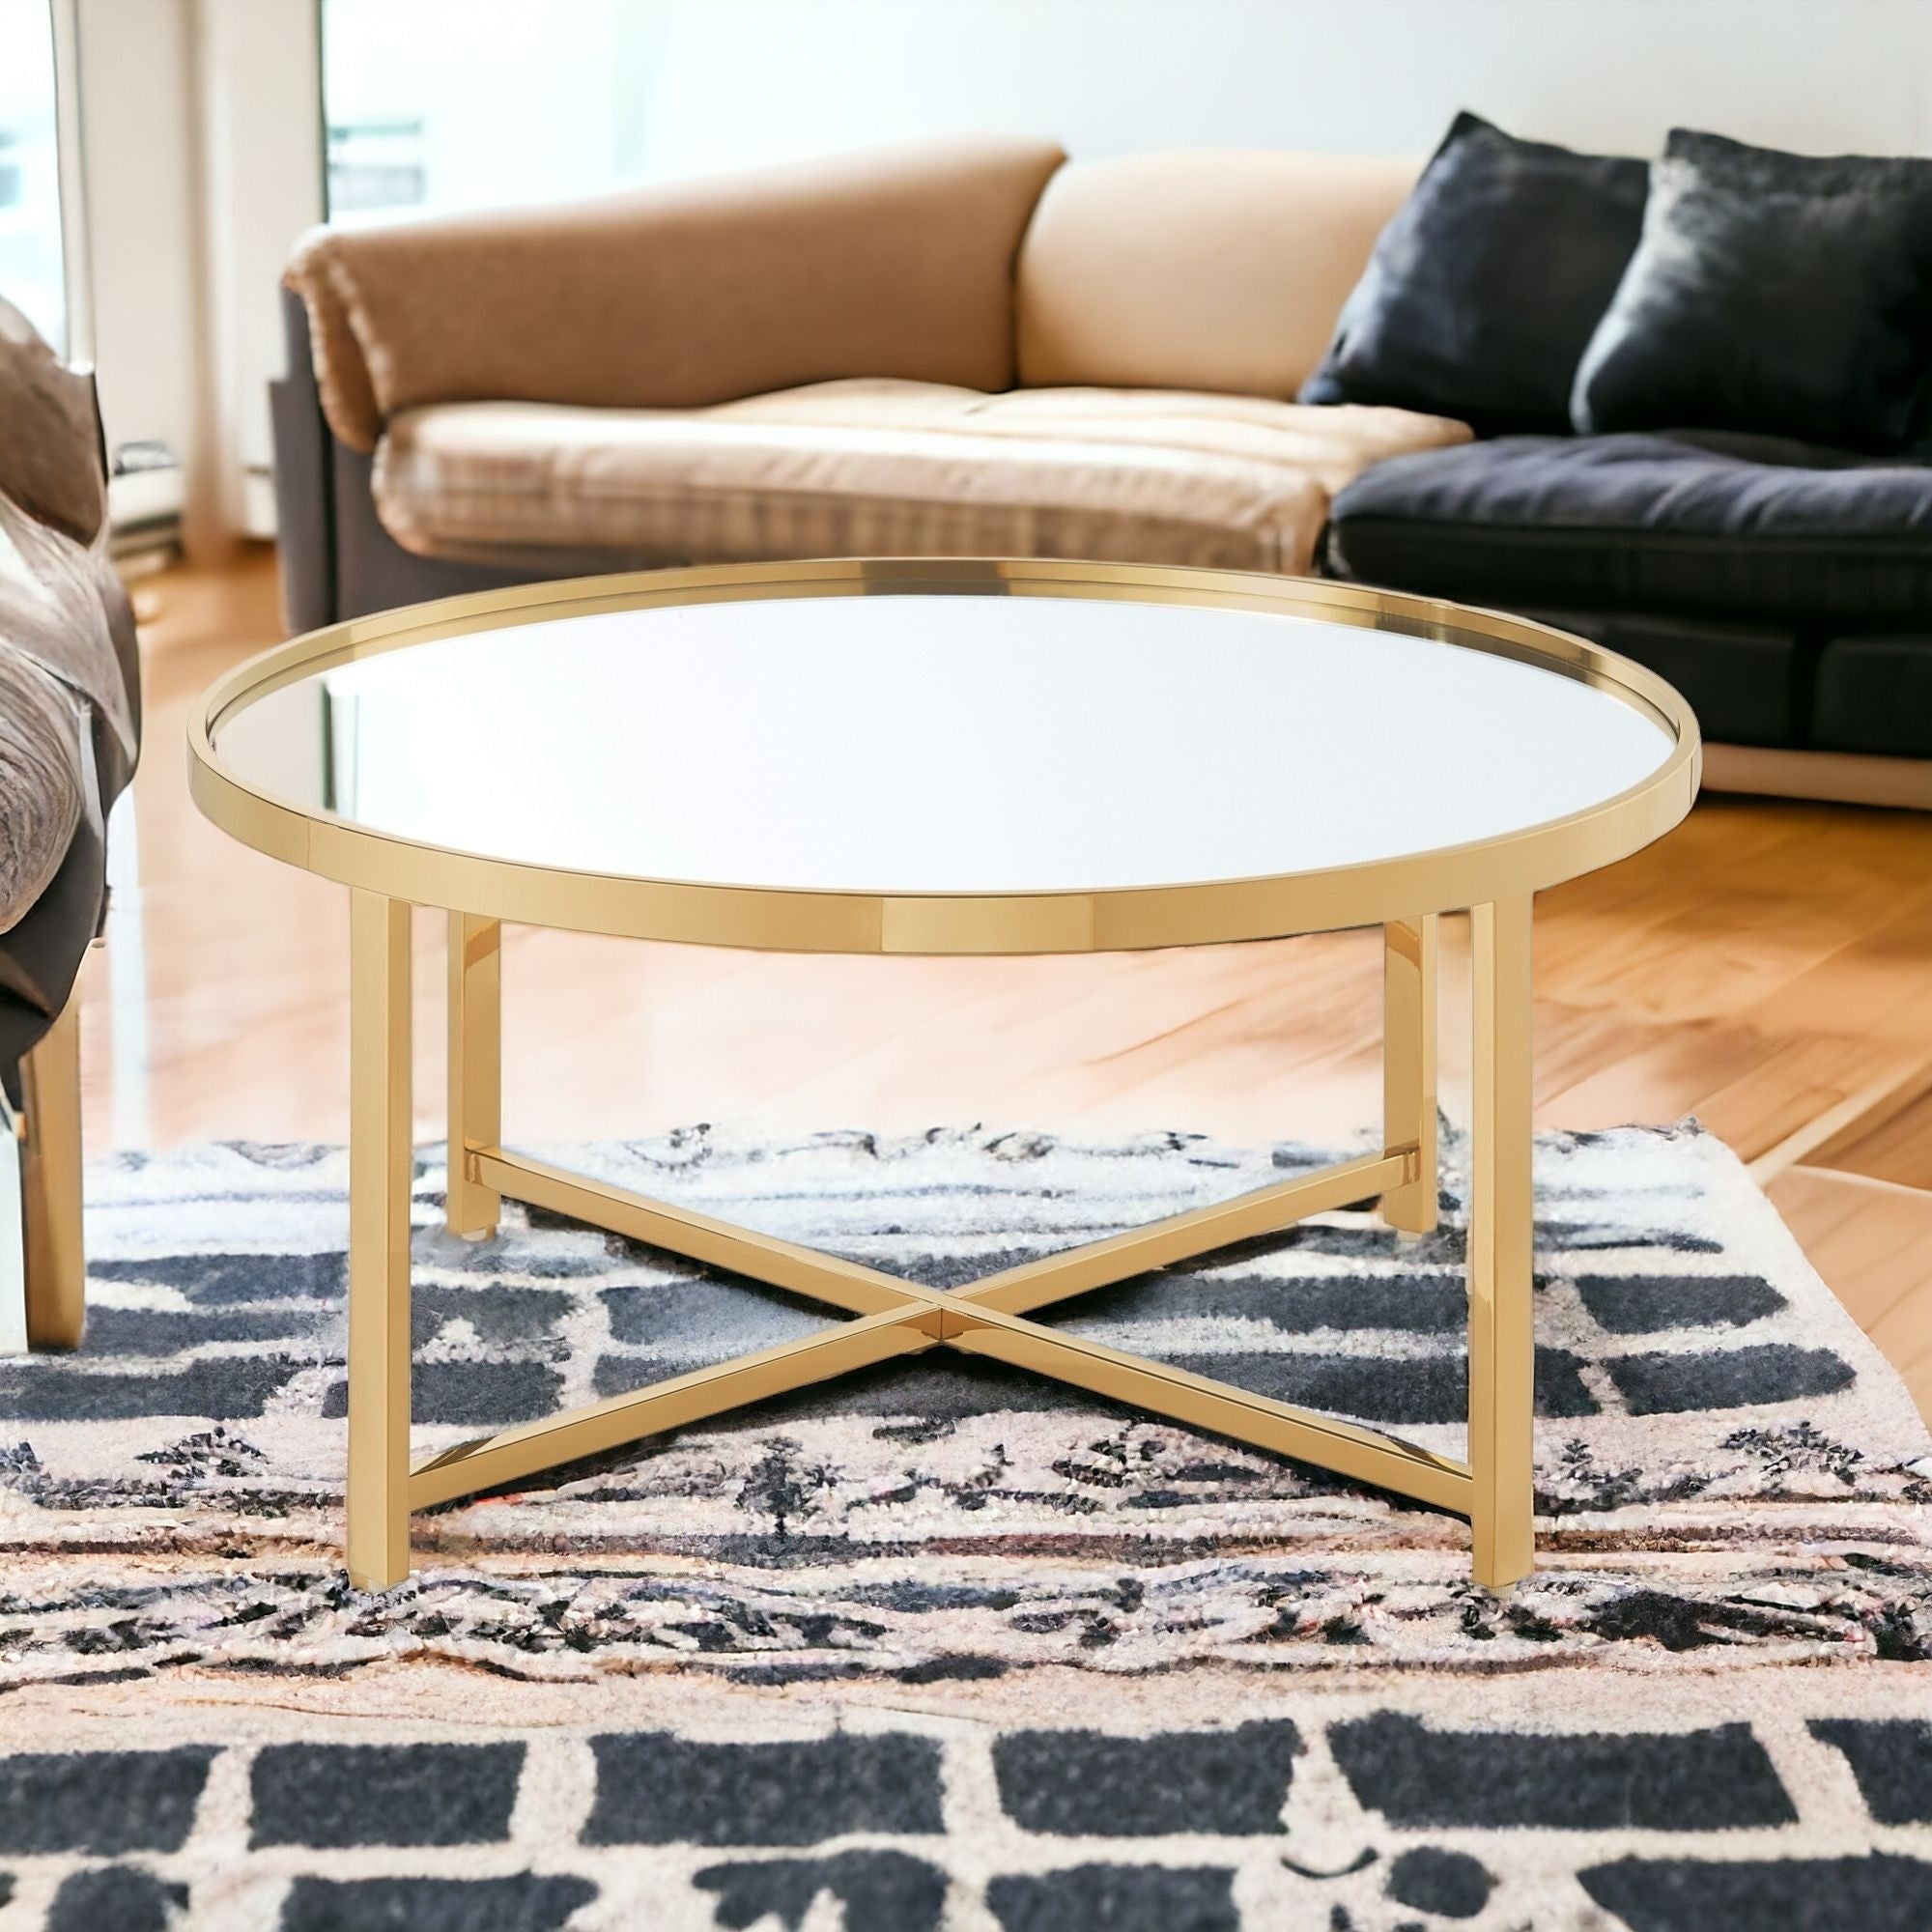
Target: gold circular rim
<point>794,920</point>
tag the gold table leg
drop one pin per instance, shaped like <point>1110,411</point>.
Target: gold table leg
<point>475,1069</point>
<point>1408,1066</point>
<point>380,1165</point>
<point>1502,1331</point>
<point>897,1317</point>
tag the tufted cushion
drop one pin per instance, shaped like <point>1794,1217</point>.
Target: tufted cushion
<point>1731,527</point>
<point>875,467</point>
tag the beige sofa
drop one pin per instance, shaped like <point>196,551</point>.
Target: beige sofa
<point>973,347</point>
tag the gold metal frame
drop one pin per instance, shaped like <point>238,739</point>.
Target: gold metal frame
<point>1494,879</point>
<point>1212,912</point>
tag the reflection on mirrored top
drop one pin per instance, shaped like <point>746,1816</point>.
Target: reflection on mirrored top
<point>940,744</point>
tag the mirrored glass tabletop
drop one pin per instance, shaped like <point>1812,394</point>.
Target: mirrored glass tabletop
<point>932,743</point>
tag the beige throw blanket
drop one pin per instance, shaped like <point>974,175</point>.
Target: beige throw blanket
<point>68,723</point>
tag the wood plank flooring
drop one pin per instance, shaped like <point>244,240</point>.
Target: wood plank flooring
<point>1766,967</point>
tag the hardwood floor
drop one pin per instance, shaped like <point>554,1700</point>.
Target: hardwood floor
<point>1766,967</point>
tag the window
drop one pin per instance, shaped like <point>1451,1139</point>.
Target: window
<point>376,163</point>
<point>31,273</point>
<point>466,104</point>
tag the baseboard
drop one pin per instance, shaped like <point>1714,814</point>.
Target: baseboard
<point>1840,1126</point>
<point>1846,778</point>
<point>1869,1238</point>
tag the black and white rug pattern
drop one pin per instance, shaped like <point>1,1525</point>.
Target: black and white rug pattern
<point>945,1644</point>
<point>1352,1810</point>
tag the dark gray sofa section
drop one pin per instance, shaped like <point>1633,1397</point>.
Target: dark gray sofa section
<point>1785,588</point>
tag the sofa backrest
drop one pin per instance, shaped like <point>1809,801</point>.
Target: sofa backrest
<point>881,264</point>
<point>1197,270</point>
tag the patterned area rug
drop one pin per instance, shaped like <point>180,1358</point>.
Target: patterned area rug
<point>946,1645</point>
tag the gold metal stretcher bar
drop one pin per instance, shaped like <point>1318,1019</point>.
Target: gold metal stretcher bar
<point>892,1317</point>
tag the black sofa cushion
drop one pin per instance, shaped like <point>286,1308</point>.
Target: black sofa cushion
<point>1486,286</point>
<point>1748,684</point>
<point>1770,292</point>
<point>1874,694</point>
<point>1734,528</point>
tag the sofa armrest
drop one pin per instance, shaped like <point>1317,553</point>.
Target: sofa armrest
<point>897,263</point>
<point>305,542</point>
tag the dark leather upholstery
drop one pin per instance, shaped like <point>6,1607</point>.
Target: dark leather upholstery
<point>1748,683</point>
<point>1875,694</point>
<point>1728,527</point>
<point>1785,588</point>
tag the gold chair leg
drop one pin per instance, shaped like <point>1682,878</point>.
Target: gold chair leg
<point>56,1264</point>
<point>380,1172</point>
<point>475,1067</point>
<point>1502,1338</point>
<point>1408,1066</point>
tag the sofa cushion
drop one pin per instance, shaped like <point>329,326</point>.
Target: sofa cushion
<point>1874,694</point>
<point>1748,683</point>
<point>1197,270</point>
<point>880,467</point>
<point>1770,292</point>
<point>1445,319</point>
<point>1731,527</point>
<point>897,263</point>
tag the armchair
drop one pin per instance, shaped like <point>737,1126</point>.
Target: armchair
<point>70,732</point>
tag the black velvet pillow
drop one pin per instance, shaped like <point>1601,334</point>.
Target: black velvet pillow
<point>1788,293</point>
<point>1485,288</point>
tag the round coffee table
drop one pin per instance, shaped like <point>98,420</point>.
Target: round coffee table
<point>943,756</point>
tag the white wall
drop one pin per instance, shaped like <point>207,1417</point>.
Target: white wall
<point>522,100</point>
<point>742,81</point>
<point>517,100</point>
